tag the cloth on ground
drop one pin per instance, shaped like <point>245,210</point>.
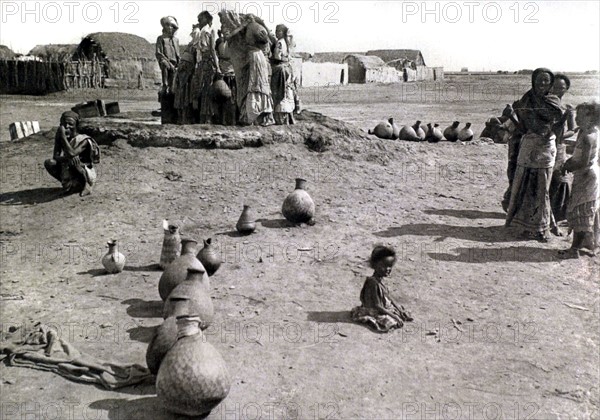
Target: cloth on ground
<point>41,347</point>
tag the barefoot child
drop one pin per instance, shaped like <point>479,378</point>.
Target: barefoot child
<point>167,52</point>
<point>378,309</point>
<point>583,212</point>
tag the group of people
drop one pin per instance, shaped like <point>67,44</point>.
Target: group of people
<point>204,82</point>
<point>545,185</point>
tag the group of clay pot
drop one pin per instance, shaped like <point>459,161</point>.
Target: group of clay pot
<point>191,376</point>
<point>390,130</point>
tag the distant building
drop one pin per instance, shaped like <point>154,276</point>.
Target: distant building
<point>370,69</point>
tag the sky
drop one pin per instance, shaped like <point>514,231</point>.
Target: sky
<point>480,35</point>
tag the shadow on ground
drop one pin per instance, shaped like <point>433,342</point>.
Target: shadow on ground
<point>29,197</point>
<point>139,308</point>
<point>467,214</point>
<point>468,233</point>
<point>488,255</point>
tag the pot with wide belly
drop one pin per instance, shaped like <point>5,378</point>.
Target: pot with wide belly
<point>176,272</point>
<point>193,377</point>
<point>299,207</point>
<point>383,130</point>
<point>164,338</point>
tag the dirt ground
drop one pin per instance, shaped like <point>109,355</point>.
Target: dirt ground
<point>502,329</point>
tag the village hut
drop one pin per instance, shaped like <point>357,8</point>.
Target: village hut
<point>410,63</point>
<point>6,53</point>
<point>414,57</point>
<point>128,60</point>
<point>370,69</point>
<point>54,52</point>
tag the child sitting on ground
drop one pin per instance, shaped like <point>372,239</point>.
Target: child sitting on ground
<point>583,212</point>
<point>378,309</point>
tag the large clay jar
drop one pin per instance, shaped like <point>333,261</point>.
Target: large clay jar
<point>176,272</point>
<point>395,129</point>
<point>171,247</point>
<point>193,377</point>
<point>113,261</point>
<point>246,224</point>
<point>466,134</point>
<point>451,133</point>
<point>220,91</point>
<point>419,130</point>
<point>164,338</point>
<point>434,134</point>
<point>209,257</point>
<point>408,133</point>
<point>189,297</point>
<point>383,130</point>
<point>298,206</point>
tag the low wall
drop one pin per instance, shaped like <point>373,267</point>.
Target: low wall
<point>324,74</point>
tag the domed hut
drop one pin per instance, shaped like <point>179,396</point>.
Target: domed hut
<point>127,59</point>
<point>54,52</point>
<point>6,53</point>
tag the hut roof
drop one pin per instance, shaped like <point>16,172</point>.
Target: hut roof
<point>58,52</point>
<point>6,53</point>
<point>391,55</point>
<point>330,57</point>
<point>367,61</point>
<point>117,46</point>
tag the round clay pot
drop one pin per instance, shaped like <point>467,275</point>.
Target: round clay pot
<point>191,296</point>
<point>419,130</point>
<point>395,129</point>
<point>113,261</point>
<point>176,272</point>
<point>220,91</point>
<point>408,133</point>
<point>383,130</point>
<point>466,134</point>
<point>193,377</point>
<point>298,206</point>
<point>451,132</point>
<point>434,134</point>
<point>164,338</point>
<point>209,257</point>
<point>246,223</point>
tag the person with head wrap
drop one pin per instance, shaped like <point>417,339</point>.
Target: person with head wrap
<point>282,79</point>
<point>538,112</point>
<point>167,52</point>
<point>73,157</point>
<point>207,69</point>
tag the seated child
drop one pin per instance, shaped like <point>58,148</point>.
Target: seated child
<point>74,156</point>
<point>583,211</point>
<point>378,309</point>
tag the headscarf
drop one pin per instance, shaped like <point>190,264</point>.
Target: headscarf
<point>169,20</point>
<point>70,114</point>
<point>538,113</point>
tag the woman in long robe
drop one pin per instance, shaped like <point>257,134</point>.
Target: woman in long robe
<point>538,112</point>
<point>282,80</point>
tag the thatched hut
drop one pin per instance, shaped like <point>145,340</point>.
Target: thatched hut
<point>54,52</point>
<point>126,58</point>
<point>370,69</point>
<point>6,53</point>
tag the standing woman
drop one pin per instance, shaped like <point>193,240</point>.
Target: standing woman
<point>229,112</point>
<point>538,112</point>
<point>282,80</point>
<point>208,66</point>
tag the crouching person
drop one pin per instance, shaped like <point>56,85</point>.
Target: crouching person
<point>74,157</point>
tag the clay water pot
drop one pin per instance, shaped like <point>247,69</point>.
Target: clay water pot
<point>395,129</point>
<point>220,91</point>
<point>164,338</point>
<point>434,134</point>
<point>113,261</point>
<point>451,133</point>
<point>191,297</point>
<point>171,247</point>
<point>256,35</point>
<point>298,206</point>
<point>408,133</point>
<point>383,130</point>
<point>419,130</point>
<point>246,224</point>
<point>176,272</point>
<point>466,134</point>
<point>209,257</point>
<point>193,377</point>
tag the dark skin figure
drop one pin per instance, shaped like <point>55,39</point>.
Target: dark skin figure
<point>66,131</point>
<point>382,269</point>
<point>588,131</point>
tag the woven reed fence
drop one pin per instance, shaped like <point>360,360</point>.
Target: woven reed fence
<point>43,77</point>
